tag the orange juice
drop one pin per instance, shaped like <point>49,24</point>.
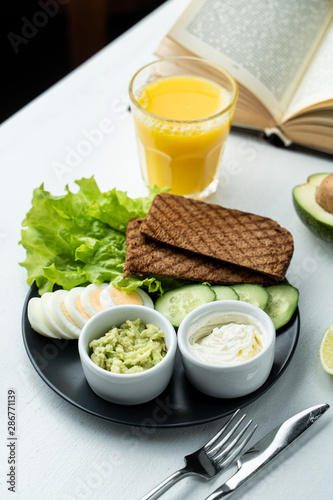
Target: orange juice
<point>182,125</point>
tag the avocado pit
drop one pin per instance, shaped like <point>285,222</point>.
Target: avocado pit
<point>324,194</point>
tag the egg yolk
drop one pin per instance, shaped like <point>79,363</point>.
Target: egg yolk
<point>120,297</point>
<point>80,308</point>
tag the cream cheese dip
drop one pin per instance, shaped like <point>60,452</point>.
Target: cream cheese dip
<point>229,344</point>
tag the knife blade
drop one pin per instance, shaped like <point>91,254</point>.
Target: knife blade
<point>267,448</point>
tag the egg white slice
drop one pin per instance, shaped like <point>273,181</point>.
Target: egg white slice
<point>112,296</point>
<point>49,317</point>
<point>105,298</point>
<point>90,299</point>
<point>74,307</point>
<point>63,318</point>
<point>147,301</point>
<point>36,320</point>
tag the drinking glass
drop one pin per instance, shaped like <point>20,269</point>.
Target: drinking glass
<point>182,109</point>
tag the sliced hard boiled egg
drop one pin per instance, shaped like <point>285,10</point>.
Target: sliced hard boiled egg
<point>90,299</point>
<point>74,307</point>
<point>36,319</point>
<point>63,318</point>
<point>62,314</point>
<point>112,296</point>
<point>50,318</point>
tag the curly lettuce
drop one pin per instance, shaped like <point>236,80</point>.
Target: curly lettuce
<point>80,238</point>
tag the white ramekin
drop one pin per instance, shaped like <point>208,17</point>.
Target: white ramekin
<point>232,380</point>
<point>133,388</point>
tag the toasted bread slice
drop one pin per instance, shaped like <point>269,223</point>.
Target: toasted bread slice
<point>148,257</point>
<point>240,238</point>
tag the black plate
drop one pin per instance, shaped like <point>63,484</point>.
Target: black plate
<point>58,363</point>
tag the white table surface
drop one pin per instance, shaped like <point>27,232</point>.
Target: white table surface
<point>63,452</point>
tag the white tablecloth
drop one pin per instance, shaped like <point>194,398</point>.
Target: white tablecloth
<point>63,452</point>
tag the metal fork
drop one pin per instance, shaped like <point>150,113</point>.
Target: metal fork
<point>214,457</point>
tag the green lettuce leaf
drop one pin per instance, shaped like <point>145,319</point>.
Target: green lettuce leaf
<point>115,208</point>
<point>80,238</point>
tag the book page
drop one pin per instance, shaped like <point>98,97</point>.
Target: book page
<point>317,83</point>
<point>265,45</point>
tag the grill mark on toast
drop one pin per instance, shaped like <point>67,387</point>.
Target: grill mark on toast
<point>240,238</point>
<point>148,257</point>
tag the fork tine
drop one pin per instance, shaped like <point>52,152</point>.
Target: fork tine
<point>219,444</point>
<point>224,463</point>
<point>220,432</point>
<point>233,443</point>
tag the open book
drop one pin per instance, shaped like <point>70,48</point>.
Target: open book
<point>281,54</point>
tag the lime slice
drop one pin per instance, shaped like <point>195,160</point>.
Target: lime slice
<point>326,350</point>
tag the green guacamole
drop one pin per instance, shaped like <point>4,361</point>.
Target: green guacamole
<point>131,348</point>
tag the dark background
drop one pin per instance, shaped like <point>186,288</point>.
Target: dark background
<point>44,40</point>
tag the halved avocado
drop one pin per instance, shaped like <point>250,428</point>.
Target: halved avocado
<point>313,215</point>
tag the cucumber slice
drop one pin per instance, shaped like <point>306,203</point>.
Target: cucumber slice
<point>282,303</point>
<point>255,294</point>
<point>225,292</point>
<point>176,304</point>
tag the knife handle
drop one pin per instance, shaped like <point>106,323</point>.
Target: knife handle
<point>221,492</point>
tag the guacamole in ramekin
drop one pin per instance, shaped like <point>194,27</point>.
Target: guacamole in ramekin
<point>131,348</point>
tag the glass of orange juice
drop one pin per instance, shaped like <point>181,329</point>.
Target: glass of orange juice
<point>182,109</point>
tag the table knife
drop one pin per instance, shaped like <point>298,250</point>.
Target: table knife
<point>268,448</point>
